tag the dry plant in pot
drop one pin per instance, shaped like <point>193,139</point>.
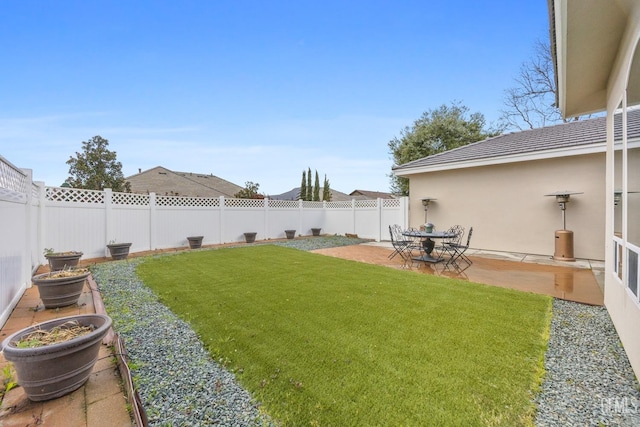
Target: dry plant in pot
<point>62,260</point>
<point>60,288</point>
<point>56,357</point>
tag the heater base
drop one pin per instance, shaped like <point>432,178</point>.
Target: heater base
<point>564,246</point>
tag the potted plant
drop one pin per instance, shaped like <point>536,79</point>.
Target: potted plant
<point>316,231</point>
<point>250,237</point>
<point>118,250</point>
<point>290,233</point>
<point>61,260</point>
<point>195,242</point>
<point>60,288</point>
<point>56,357</point>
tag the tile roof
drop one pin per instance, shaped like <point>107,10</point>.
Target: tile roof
<point>372,194</point>
<point>163,181</point>
<point>294,194</point>
<point>571,135</point>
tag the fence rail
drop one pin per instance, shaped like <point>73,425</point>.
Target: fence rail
<point>35,217</point>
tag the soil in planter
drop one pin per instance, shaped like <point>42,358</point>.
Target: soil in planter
<point>65,332</point>
<point>67,273</point>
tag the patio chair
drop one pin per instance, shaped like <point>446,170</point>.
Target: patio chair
<point>399,242</point>
<point>461,249</point>
<point>447,246</point>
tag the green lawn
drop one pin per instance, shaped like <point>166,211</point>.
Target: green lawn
<point>325,341</point>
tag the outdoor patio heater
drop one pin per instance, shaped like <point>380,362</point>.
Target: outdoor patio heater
<point>425,203</point>
<point>564,237</point>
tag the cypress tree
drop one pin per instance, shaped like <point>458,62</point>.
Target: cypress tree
<point>316,189</point>
<point>309,187</point>
<point>303,187</point>
<point>326,191</point>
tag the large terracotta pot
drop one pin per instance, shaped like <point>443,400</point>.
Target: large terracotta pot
<point>58,290</point>
<point>51,371</point>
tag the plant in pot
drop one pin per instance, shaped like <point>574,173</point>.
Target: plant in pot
<point>60,288</point>
<point>195,242</point>
<point>118,250</point>
<point>250,237</point>
<point>56,357</point>
<point>290,233</point>
<point>62,260</point>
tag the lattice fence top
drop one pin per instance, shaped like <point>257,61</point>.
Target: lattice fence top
<point>339,205</point>
<point>35,191</point>
<point>291,204</point>
<point>390,203</point>
<point>244,203</point>
<point>212,202</point>
<point>317,205</point>
<point>131,199</point>
<point>366,203</point>
<point>14,196</point>
<point>11,177</point>
<point>79,195</point>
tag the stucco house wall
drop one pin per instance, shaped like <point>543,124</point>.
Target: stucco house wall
<point>507,208</point>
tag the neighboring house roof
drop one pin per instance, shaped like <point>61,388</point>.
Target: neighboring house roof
<point>372,194</point>
<point>294,194</point>
<point>572,138</point>
<point>163,181</point>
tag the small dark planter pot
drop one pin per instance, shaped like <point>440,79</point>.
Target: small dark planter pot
<point>290,233</point>
<point>63,260</point>
<point>250,237</point>
<point>54,370</point>
<point>316,231</point>
<point>60,291</point>
<point>195,242</point>
<point>119,250</point>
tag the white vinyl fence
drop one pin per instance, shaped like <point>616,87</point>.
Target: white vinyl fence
<point>34,217</point>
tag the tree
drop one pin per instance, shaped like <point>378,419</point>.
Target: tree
<point>96,167</point>
<point>303,187</point>
<point>326,191</point>
<point>436,131</point>
<point>532,102</point>
<point>250,191</point>
<point>309,187</point>
<point>316,189</point>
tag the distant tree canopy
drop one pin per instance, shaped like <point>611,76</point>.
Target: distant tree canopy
<point>250,191</point>
<point>436,131</point>
<point>96,167</point>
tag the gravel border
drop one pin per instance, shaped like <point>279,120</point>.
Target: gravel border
<point>589,380</point>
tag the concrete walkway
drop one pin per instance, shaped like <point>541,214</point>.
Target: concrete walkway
<point>100,402</point>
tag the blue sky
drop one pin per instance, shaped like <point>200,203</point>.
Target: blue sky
<point>249,90</point>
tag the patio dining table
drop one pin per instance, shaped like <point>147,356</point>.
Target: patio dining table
<point>427,242</point>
